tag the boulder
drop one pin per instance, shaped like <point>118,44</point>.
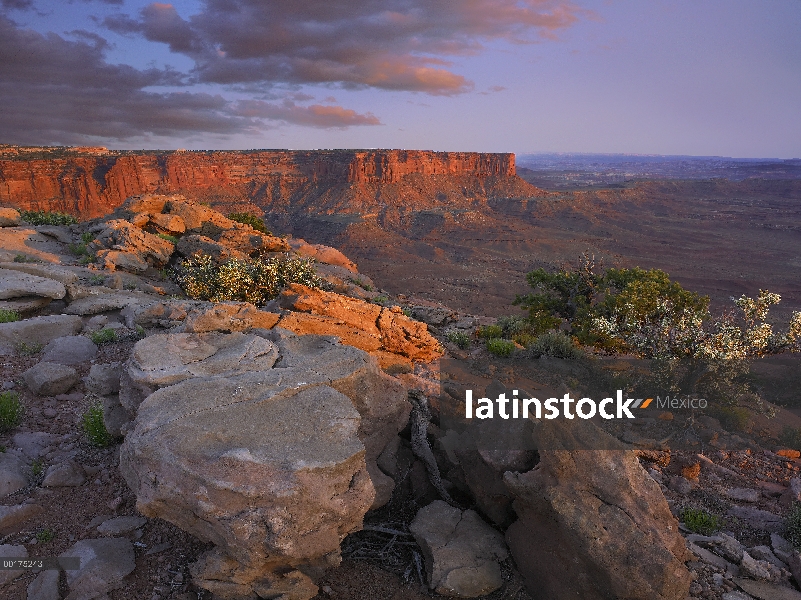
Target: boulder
<point>792,494</point>
<point>9,217</point>
<point>461,551</point>
<point>12,473</point>
<point>104,379</point>
<point>69,350</point>
<point>50,378</point>
<point>229,316</point>
<point>34,444</point>
<point>11,551</point>
<point>200,219</point>
<point>25,304</point>
<point>767,591</point>
<point>119,525</point>
<point>39,330</point>
<point>592,512</point>
<point>323,254</point>
<point>125,237</point>
<point>266,463</point>
<point>114,260</point>
<point>15,284</point>
<point>757,518</point>
<point>66,474</point>
<point>104,563</point>
<point>168,223</point>
<point>45,586</point>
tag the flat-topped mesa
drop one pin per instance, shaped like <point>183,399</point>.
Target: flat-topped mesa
<point>91,185</point>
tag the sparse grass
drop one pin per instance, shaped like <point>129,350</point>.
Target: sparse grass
<point>104,336</point>
<point>489,332</point>
<point>45,535</point>
<point>458,338</point>
<point>87,237</point>
<point>362,284</point>
<point>24,258</point>
<point>95,428</point>
<point>8,316</point>
<point>29,348</point>
<point>732,418</point>
<point>791,437</point>
<point>85,260</point>
<point>252,220</point>
<point>256,281</point>
<point>44,217</point>
<point>382,299</point>
<point>407,312</point>
<point>700,521</point>
<point>554,343</point>
<point>37,468</point>
<point>10,410</point>
<point>96,280</point>
<point>170,238</point>
<point>792,526</point>
<point>79,249</point>
<point>500,347</point>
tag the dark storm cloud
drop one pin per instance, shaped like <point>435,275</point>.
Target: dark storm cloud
<point>60,91</point>
<point>17,4</point>
<point>386,44</point>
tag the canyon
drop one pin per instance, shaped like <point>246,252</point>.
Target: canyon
<point>92,182</point>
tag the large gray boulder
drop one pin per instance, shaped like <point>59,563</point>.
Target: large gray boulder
<point>12,473</point>
<point>461,551</point>
<point>69,350</point>
<point>265,460</point>
<point>61,274</point>
<point>50,379</point>
<point>39,330</point>
<point>592,524</point>
<point>15,284</point>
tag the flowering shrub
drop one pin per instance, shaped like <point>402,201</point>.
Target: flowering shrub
<point>256,281</point>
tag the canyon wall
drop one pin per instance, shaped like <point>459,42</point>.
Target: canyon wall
<point>321,181</point>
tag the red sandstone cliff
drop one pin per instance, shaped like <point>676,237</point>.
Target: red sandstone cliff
<point>323,181</point>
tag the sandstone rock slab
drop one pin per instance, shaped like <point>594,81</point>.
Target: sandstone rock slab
<point>61,274</point>
<point>39,330</point>
<point>66,474</point>
<point>92,305</point>
<point>44,587</point>
<point>13,517</point>
<point>12,473</point>
<point>767,591</point>
<point>15,284</point>
<point>229,316</point>
<point>104,379</point>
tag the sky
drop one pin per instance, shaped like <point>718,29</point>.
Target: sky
<point>689,77</point>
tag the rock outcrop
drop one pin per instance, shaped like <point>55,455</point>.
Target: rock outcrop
<point>597,515</point>
<point>272,465</point>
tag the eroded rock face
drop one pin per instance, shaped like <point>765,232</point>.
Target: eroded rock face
<point>597,515</point>
<point>358,323</point>
<point>270,463</point>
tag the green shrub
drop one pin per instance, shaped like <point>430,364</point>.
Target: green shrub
<point>170,238</point>
<point>87,237</point>
<point>490,332</point>
<point>24,258</point>
<point>363,285</point>
<point>104,336</point>
<point>554,343</point>
<point>10,410</point>
<point>96,280</point>
<point>699,521</point>
<point>256,281</point>
<point>95,428</point>
<point>44,217</point>
<point>792,526</point>
<point>458,338</point>
<point>252,220</point>
<point>8,316</point>
<point>85,260</point>
<point>45,535</point>
<point>732,418</point>
<point>79,249</point>
<point>500,347</point>
<point>380,299</point>
<point>791,437</point>
<point>37,467</point>
<point>29,349</point>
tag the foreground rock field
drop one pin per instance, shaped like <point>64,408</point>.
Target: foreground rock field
<point>276,451</point>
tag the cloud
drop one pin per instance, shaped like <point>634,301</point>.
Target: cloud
<point>316,115</point>
<point>384,44</point>
<point>60,91</point>
<point>17,4</point>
